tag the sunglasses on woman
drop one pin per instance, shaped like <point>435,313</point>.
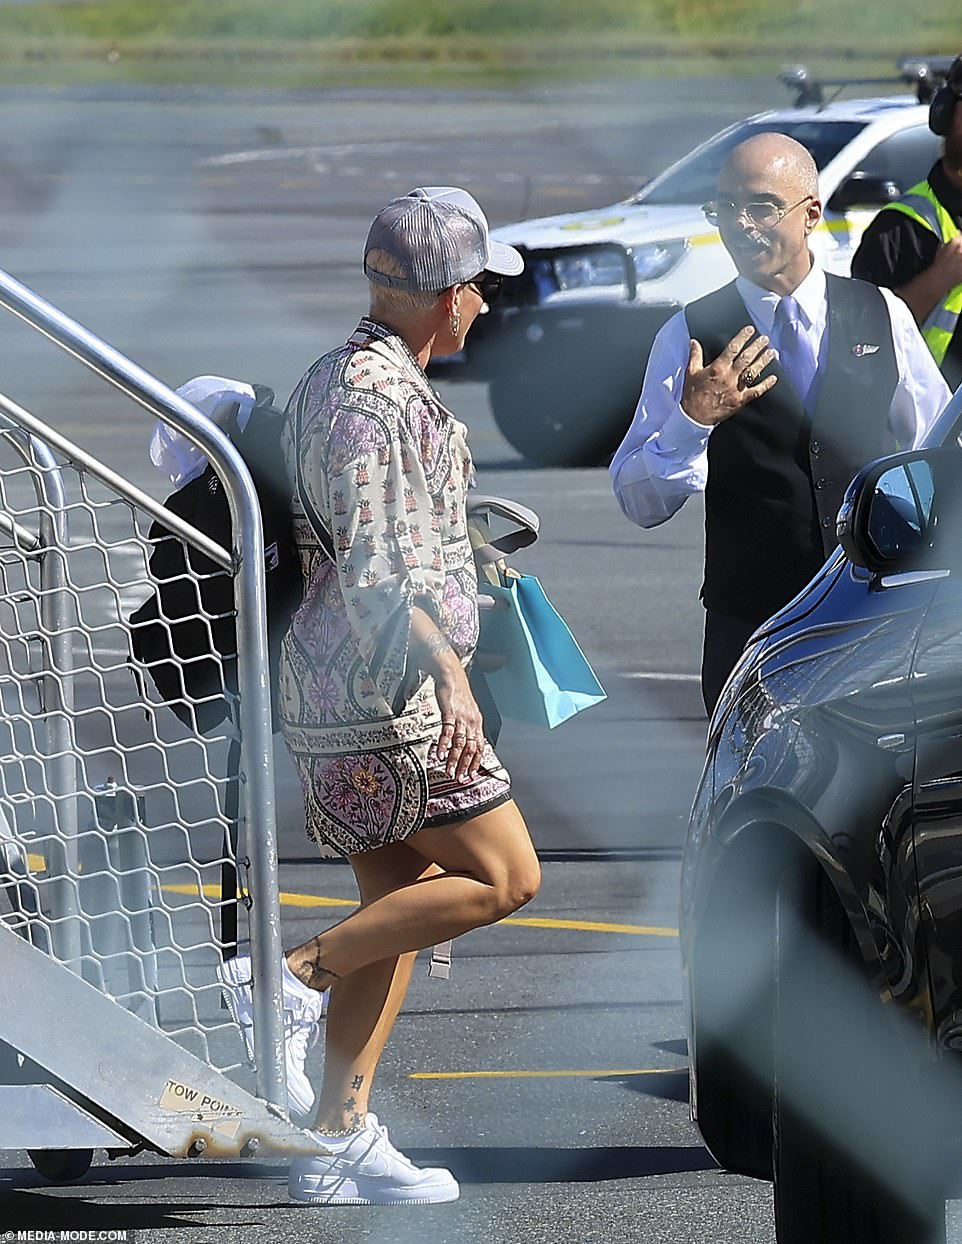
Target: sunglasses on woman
<point>487,285</point>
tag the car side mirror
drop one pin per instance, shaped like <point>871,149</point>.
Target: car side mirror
<point>863,190</point>
<point>897,510</point>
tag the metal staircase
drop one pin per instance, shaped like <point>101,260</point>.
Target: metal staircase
<point>115,826</point>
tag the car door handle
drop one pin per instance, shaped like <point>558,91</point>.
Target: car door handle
<point>913,576</point>
<point>890,740</point>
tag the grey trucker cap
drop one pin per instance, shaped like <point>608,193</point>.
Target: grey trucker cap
<point>438,236</point>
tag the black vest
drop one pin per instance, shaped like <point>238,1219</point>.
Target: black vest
<point>776,477</point>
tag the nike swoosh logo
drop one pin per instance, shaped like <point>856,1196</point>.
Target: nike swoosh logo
<point>372,1164</point>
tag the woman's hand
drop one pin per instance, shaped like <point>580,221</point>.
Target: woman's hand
<point>461,742</point>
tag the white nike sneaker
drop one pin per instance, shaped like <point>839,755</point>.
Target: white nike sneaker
<point>303,1008</point>
<point>365,1169</point>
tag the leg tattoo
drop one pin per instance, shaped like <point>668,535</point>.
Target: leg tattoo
<point>312,972</point>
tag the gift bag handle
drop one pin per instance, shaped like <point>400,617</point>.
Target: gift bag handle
<point>481,506</point>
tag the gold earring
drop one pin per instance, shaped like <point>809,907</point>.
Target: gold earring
<point>455,325</point>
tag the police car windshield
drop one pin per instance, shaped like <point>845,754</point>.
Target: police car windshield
<point>695,179</point>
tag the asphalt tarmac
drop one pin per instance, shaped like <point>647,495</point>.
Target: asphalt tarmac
<point>210,232</point>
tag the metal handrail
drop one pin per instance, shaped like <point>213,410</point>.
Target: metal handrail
<point>247,559</point>
<point>18,416</point>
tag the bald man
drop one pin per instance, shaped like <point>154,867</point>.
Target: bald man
<point>769,395</point>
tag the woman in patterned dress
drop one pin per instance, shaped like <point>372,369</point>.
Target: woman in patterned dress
<point>377,711</point>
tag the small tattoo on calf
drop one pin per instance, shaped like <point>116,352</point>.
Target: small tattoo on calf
<point>350,1104</point>
<point>357,1082</point>
<point>356,1120</point>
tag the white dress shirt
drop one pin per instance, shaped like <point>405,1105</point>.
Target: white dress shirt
<point>663,459</point>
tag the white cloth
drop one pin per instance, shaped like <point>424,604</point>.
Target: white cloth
<point>663,459</point>
<point>179,458</point>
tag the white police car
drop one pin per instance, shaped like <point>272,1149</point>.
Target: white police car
<point>565,346</point>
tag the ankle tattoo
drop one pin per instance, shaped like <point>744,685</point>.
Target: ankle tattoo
<point>313,972</point>
<point>342,1131</point>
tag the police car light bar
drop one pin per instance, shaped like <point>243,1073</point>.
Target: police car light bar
<point>925,75</point>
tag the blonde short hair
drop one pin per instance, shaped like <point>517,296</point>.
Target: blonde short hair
<point>399,303</point>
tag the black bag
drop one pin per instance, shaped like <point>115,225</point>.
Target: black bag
<point>185,633</point>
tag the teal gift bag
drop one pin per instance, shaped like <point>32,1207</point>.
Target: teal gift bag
<point>545,678</point>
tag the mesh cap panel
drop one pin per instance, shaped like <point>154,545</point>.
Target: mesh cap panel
<point>437,237</point>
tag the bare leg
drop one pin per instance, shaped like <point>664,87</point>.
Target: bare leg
<point>490,870</point>
<point>360,1017</point>
<point>364,1004</point>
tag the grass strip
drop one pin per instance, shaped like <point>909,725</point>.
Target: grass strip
<point>298,43</point>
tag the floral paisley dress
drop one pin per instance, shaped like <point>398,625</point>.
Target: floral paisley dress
<point>384,468</point>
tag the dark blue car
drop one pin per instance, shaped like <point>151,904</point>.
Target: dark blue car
<point>822,880</point>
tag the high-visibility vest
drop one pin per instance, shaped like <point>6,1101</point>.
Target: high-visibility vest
<point>920,203</point>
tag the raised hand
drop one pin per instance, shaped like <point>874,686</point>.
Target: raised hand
<point>713,393</point>
<point>948,263</point>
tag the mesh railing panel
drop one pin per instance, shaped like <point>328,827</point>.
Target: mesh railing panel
<point>114,834</point>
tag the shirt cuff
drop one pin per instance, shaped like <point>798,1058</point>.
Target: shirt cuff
<point>680,436</point>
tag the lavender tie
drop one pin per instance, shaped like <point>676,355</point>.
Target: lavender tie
<point>795,356</point>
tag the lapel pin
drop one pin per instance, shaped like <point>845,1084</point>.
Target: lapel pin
<point>862,348</point>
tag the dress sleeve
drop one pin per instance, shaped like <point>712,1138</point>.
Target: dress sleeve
<point>387,537</point>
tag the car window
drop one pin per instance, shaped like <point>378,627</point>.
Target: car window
<point>904,158</point>
<point>695,178</point>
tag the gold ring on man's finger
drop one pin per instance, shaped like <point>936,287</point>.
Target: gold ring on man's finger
<point>748,376</point>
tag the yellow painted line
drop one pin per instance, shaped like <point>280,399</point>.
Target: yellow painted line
<point>37,864</point>
<point>314,900</point>
<point>546,1075</point>
<point>833,226</point>
<point>823,226</point>
<point>529,922</point>
<point>591,926</point>
<point>288,900</point>
<point>561,192</point>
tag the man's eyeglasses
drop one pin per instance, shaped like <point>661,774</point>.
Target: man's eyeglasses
<point>761,212</point>
<point>487,285</point>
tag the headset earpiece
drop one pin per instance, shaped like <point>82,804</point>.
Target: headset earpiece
<point>941,110</point>
<point>942,107</point>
